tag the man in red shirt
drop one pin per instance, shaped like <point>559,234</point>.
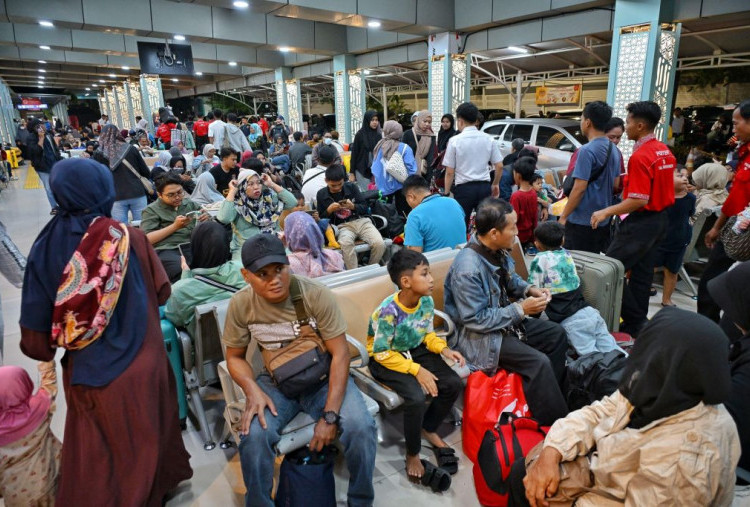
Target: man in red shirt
<point>738,200</point>
<point>647,193</point>
<point>264,126</point>
<point>200,129</point>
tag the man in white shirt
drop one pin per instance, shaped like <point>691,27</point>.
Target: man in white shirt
<point>315,177</point>
<point>103,120</point>
<point>140,124</point>
<point>216,130</point>
<point>467,162</point>
<point>678,123</point>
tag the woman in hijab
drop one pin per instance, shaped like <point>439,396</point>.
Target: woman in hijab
<point>421,140</point>
<point>126,165</point>
<point>664,437</point>
<point>253,206</point>
<point>163,159</point>
<point>731,291</point>
<point>447,130</point>
<point>711,181</point>
<point>305,241</point>
<point>128,428</point>
<point>29,451</point>
<point>390,144</point>
<point>203,163</point>
<point>205,192</point>
<point>178,166</point>
<point>210,268</point>
<point>363,148</point>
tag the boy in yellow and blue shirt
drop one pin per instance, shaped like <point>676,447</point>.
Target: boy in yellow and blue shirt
<point>406,355</point>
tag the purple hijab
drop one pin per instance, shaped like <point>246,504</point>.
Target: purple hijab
<point>303,235</point>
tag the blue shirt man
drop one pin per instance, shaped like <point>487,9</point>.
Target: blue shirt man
<point>435,221</point>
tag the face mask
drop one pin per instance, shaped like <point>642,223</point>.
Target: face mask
<point>327,140</point>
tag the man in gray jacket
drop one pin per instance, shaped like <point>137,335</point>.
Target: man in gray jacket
<point>237,139</point>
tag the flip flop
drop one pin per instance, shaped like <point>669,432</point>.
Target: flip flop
<point>436,478</point>
<point>447,459</point>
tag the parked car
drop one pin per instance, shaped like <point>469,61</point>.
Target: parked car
<point>556,139</point>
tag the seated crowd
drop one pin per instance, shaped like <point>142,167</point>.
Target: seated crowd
<point>258,235</point>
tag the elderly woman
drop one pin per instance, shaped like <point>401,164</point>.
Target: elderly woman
<point>305,241</point>
<point>205,192</point>
<point>144,144</point>
<point>253,205</point>
<point>389,186</point>
<point>120,393</point>
<point>711,181</point>
<point>421,140</point>
<point>203,163</point>
<point>663,438</point>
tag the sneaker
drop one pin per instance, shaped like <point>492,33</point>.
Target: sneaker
<point>531,251</point>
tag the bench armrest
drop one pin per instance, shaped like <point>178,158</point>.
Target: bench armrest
<point>364,357</point>
<point>448,323</point>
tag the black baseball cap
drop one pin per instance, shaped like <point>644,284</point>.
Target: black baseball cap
<point>261,250</point>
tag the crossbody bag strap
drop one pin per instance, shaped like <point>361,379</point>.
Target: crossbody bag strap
<point>215,284</point>
<point>295,291</point>
<point>132,169</point>
<point>599,170</point>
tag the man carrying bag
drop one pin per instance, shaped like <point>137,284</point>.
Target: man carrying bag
<point>298,326</point>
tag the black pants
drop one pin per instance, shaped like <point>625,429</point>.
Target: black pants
<point>402,206</point>
<point>200,142</point>
<point>469,195</point>
<point>417,414</point>
<point>635,244</point>
<point>718,263</point>
<point>170,259</point>
<point>540,361</point>
<point>583,237</point>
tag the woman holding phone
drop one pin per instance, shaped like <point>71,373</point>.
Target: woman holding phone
<point>253,205</point>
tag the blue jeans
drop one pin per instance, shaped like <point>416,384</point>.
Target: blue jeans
<point>282,161</point>
<point>358,438</point>
<point>45,182</point>
<point>120,208</point>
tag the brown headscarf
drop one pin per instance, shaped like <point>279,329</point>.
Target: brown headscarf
<point>425,141</point>
<point>392,132</point>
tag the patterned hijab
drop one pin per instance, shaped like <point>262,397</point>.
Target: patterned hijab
<point>423,137</point>
<point>112,145</point>
<point>392,133</point>
<point>263,212</point>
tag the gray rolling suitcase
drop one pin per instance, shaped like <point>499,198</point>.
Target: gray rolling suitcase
<point>602,280</point>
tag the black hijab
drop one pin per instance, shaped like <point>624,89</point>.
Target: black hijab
<point>679,360</point>
<point>371,135</point>
<point>445,135</point>
<point>209,244</point>
<point>731,291</point>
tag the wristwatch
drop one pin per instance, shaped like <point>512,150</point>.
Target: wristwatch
<point>331,417</point>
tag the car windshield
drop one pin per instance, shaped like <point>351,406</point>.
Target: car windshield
<point>575,131</point>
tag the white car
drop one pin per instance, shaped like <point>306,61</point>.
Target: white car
<point>556,139</point>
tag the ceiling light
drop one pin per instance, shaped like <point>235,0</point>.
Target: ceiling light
<point>101,80</point>
<point>95,85</point>
<point>241,5</point>
<point>517,49</point>
<point>367,72</point>
<point>44,47</point>
<point>199,73</point>
<point>41,61</point>
<point>179,37</point>
<point>232,64</point>
<point>125,67</point>
<point>112,75</point>
<point>284,49</point>
<point>40,86</point>
<point>41,78</point>
<point>174,80</point>
<point>48,24</point>
<point>373,24</point>
<point>88,89</point>
<point>86,95</point>
<point>42,71</point>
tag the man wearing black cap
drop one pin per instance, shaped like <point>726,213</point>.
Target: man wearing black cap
<point>315,178</point>
<point>265,312</point>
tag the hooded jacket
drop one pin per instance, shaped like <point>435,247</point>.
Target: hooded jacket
<point>237,139</point>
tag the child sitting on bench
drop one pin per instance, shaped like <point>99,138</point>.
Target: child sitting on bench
<point>406,356</point>
<point>553,269</point>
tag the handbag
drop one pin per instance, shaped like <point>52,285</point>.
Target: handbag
<point>567,185</point>
<point>395,166</point>
<point>306,478</point>
<point>575,478</point>
<point>736,244</point>
<point>486,399</point>
<point>144,181</point>
<point>304,364</point>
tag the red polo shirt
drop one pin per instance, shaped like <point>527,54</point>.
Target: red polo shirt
<point>739,195</point>
<point>651,174</point>
<point>200,128</point>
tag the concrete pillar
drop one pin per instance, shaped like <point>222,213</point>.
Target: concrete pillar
<point>449,76</point>
<point>288,98</point>
<point>348,97</point>
<point>152,98</point>
<point>645,43</point>
<point>7,125</point>
<point>384,100</point>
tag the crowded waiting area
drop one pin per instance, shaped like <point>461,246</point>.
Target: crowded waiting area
<point>433,253</point>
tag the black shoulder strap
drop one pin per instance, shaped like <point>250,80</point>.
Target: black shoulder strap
<point>216,284</point>
<point>599,170</point>
<point>295,291</point>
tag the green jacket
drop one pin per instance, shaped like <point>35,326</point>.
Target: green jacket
<point>159,215</point>
<point>187,293</point>
<point>241,228</point>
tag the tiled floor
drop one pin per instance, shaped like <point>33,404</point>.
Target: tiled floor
<point>217,480</point>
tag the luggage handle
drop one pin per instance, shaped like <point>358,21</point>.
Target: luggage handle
<point>579,267</point>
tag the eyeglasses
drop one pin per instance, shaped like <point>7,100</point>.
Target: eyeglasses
<point>172,195</point>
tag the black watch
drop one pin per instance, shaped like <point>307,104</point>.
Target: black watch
<point>331,417</point>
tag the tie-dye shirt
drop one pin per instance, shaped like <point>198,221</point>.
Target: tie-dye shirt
<point>395,330</point>
<point>554,270</point>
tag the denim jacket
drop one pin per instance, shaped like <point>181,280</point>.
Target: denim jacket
<point>472,298</point>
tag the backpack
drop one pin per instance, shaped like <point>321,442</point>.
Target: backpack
<point>394,222</point>
<point>594,376</point>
